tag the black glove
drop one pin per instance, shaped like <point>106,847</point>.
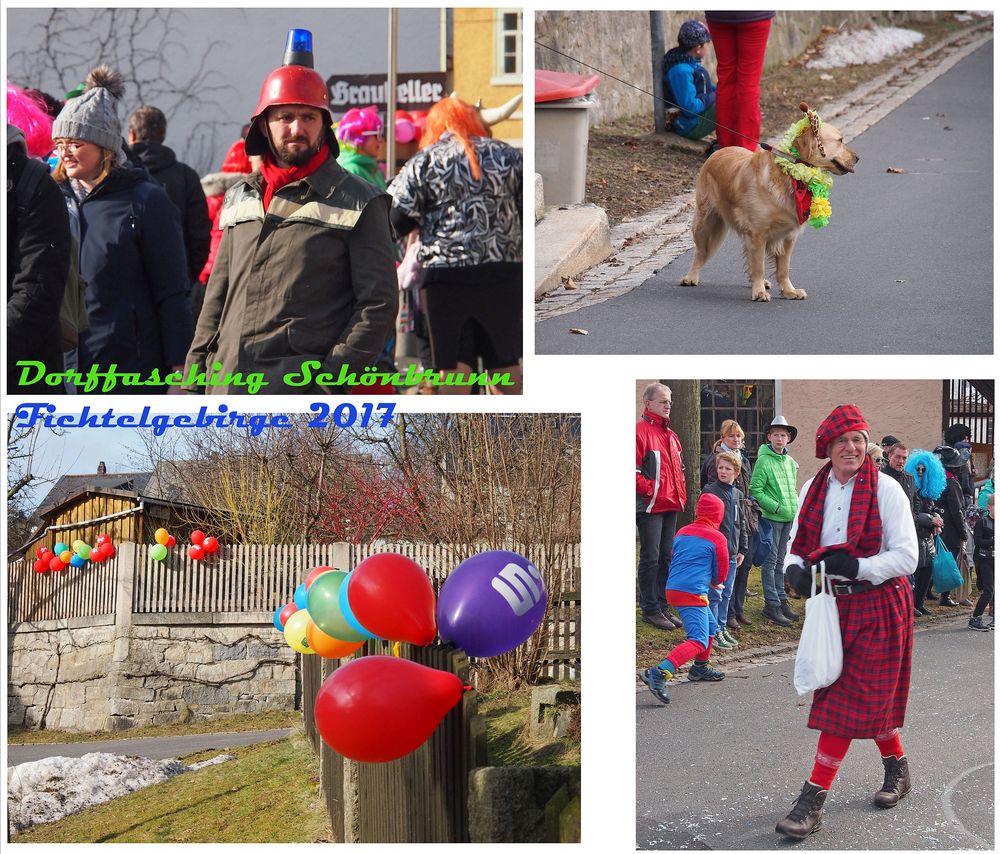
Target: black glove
<point>800,579</point>
<point>840,563</point>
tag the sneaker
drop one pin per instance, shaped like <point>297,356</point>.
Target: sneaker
<point>656,681</point>
<point>729,638</point>
<point>704,673</point>
<point>720,642</point>
<point>976,623</point>
<point>947,600</point>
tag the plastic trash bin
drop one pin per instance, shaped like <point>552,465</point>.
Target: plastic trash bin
<point>562,126</point>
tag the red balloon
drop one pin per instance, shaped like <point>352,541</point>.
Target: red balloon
<point>41,565</point>
<point>97,556</point>
<point>108,550</point>
<point>316,573</point>
<point>42,551</point>
<point>56,564</point>
<point>171,541</point>
<point>211,545</point>
<point>359,719</point>
<point>392,597</point>
<point>286,612</point>
<point>197,538</point>
<point>196,553</point>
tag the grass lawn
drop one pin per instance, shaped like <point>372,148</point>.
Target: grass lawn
<point>222,723</point>
<point>268,793</point>
<point>508,736</point>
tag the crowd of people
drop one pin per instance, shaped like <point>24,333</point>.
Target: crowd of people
<point>281,272</point>
<point>871,517</point>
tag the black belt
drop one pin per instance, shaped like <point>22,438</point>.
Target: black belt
<point>853,587</point>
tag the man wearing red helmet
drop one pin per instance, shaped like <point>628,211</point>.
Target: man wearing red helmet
<point>305,270</point>
<point>858,522</point>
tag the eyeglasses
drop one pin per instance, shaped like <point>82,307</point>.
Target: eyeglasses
<point>70,147</point>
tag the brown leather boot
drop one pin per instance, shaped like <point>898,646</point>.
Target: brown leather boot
<point>807,813</point>
<point>897,782</point>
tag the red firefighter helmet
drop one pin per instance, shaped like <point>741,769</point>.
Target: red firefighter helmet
<point>290,84</point>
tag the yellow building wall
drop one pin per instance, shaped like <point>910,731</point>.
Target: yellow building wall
<point>474,46</point>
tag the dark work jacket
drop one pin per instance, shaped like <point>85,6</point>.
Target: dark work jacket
<point>734,525</point>
<point>38,251</point>
<point>953,505</point>
<point>183,186</point>
<point>313,279</point>
<point>132,258</point>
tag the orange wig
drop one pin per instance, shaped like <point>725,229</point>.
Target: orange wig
<point>461,120</point>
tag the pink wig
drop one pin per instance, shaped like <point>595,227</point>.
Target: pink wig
<point>357,125</point>
<point>29,114</point>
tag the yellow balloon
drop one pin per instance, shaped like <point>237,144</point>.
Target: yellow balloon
<point>161,536</point>
<point>296,627</point>
<point>77,544</point>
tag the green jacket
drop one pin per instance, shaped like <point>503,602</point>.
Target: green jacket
<point>361,165</point>
<point>773,484</point>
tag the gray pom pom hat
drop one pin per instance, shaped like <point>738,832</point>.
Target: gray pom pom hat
<point>93,116</point>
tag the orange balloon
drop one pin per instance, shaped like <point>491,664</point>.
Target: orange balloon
<point>327,647</point>
<point>66,556</point>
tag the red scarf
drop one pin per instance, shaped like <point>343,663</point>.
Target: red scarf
<point>803,200</point>
<point>864,523</point>
<point>275,176</point>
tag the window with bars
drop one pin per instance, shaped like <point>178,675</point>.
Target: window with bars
<point>749,402</point>
<point>970,402</point>
<point>507,54</point>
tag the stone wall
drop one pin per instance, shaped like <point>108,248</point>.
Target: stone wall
<point>619,43</point>
<point>176,668</point>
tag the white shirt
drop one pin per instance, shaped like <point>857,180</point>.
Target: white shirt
<point>898,553</point>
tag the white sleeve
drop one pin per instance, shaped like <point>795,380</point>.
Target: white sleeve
<point>899,552</point>
<point>789,557</point>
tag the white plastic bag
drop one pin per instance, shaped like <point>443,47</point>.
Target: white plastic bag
<point>820,656</point>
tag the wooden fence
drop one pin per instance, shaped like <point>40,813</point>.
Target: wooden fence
<point>72,592</point>
<point>421,797</point>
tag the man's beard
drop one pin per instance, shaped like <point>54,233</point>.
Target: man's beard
<point>298,156</point>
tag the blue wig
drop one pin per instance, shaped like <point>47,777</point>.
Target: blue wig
<point>933,483</point>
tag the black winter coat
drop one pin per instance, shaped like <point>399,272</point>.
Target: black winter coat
<point>953,505</point>
<point>38,253</point>
<point>183,186</point>
<point>132,258</point>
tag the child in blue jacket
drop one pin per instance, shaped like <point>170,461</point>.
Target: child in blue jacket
<point>687,85</point>
<point>699,559</point>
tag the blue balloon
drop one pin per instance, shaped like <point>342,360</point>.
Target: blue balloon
<point>345,609</point>
<point>277,619</point>
<point>301,597</point>
<point>492,603</point>
<point>77,561</point>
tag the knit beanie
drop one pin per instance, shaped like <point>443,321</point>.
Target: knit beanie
<point>691,34</point>
<point>93,116</point>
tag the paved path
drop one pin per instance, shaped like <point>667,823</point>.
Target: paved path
<point>723,762</point>
<point>165,747</point>
<point>905,266</point>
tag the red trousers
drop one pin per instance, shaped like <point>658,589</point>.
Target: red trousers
<point>739,49</point>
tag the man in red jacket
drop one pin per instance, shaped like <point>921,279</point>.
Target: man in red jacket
<point>660,494</point>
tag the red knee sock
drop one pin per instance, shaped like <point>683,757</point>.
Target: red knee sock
<point>888,744</point>
<point>683,653</point>
<point>830,752</point>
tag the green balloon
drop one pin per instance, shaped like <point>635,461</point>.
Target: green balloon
<point>158,552</point>
<point>83,550</point>
<point>324,607</point>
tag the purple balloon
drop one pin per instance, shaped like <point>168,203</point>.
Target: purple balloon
<point>491,603</point>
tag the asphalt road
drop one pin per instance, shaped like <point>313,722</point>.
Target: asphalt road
<point>722,763</point>
<point>166,747</point>
<point>905,265</point>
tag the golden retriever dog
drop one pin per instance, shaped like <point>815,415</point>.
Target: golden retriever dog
<point>747,192</point>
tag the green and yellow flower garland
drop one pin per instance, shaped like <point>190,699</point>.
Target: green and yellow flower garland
<point>818,181</point>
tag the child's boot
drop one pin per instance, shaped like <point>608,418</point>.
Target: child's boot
<point>656,680</point>
<point>701,672</point>
<point>978,625</point>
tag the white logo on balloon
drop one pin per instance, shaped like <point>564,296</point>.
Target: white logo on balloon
<point>520,586</point>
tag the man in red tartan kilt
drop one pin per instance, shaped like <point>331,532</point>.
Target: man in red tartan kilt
<point>858,522</point>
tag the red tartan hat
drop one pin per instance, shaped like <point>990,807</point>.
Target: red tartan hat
<point>843,419</point>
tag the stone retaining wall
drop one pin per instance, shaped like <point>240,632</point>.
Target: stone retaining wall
<point>171,668</point>
<point>619,43</point>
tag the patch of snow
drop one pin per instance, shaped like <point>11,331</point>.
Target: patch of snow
<point>215,760</point>
<point>864,47</point>
<point>46,790</point>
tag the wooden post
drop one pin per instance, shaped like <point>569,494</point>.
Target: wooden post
<point>657,46</point>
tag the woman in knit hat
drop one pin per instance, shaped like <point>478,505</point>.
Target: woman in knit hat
<point>858,522</point>
<point>131,247</point>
